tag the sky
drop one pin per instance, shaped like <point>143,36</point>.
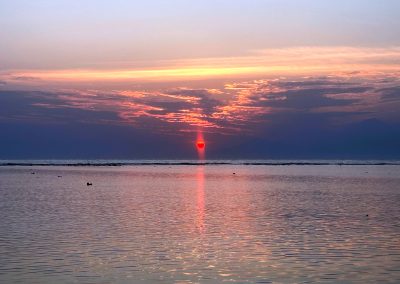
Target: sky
<point>256,79</point>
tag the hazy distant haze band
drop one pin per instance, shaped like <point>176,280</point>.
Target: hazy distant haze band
<point>200,163</point>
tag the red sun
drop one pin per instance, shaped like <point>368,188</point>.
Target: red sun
<point>200,145</point>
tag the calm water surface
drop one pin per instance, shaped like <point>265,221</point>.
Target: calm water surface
<point>200,224</point>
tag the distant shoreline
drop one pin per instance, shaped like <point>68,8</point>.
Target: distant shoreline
<point>102,163</point>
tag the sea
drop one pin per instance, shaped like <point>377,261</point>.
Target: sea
<point>240,221</point>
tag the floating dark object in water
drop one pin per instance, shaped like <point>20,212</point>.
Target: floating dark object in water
<point>367,215</point>
<point>59,176</point>
<point>32,173</point>
<point>234,173</point>
<point>89,184</point>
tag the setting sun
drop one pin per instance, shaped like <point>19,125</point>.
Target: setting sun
<point>200,145</point>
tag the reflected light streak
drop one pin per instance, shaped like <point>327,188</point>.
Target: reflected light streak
<point>200,200</point>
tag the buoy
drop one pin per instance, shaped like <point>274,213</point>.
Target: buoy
<point>89,184</point>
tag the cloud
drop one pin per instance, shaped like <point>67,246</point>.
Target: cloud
<point>281,117</point>
<point>24,78</point>
<point>307,99</point>
<point>298,61</point>
<point>243,106</point>
<point>391,94</point>
<point>45,107</point>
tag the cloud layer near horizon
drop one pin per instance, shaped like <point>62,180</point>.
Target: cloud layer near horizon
<point>274,116</point>
<point>236,107</point>
<point>294,61</point>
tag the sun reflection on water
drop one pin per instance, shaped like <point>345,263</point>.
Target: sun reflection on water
<point>200,224</point>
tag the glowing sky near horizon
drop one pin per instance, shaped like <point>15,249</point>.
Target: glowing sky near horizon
<point>223,66</point>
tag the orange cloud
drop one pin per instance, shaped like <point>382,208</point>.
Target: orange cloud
<point>237,106</point>
<point>273,62</point>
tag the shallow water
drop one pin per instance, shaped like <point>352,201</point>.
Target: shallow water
<point>264,224</point>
